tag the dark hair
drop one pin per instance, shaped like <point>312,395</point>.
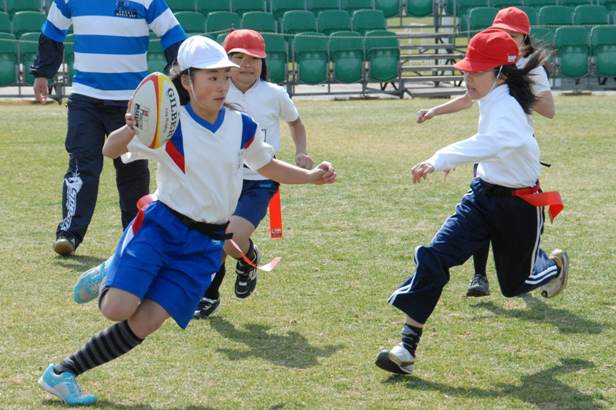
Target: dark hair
<point>176,74</point>
<point>533,45</point>
<point>519,81</point>
<point>263,67</point>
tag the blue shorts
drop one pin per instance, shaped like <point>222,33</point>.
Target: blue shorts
<point>160,258</point>
<point>254,200</point>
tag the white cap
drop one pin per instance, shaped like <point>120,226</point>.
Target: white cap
<point>203,52</point>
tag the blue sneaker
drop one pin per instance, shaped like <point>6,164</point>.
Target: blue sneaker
<point>65,387</point>
<point>89,283</point>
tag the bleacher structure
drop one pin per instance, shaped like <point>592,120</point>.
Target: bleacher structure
<point>395,47</point>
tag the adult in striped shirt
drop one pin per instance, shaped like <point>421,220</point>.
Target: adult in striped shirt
<point>111,39</point>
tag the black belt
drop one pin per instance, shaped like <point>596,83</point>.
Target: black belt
<point>497,190</point>
<point>211,230</point>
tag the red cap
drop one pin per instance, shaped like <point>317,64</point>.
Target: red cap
<point>488,49</point>
<point>246,42</point>
<point>512,19</point>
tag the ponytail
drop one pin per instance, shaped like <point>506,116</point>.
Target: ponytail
<point>519,82</point>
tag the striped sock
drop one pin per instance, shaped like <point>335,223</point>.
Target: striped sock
<point>410,337</point>
<point>103,347</point>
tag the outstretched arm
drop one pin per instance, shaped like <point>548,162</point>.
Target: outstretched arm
<point>118,140</point>
<point>286,173</point>
<point>457,104</point>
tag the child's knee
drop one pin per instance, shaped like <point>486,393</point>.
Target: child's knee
<point>116,311</point>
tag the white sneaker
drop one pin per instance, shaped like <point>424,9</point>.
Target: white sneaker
<point>397,360</point>
<point>556,285</point>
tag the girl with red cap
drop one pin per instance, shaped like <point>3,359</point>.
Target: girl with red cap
<point>504,205</point>
<point>268,103</point>
<point>514,22</point>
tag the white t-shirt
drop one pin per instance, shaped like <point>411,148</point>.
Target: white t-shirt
<point>200,169</point>
<point>268,104</point>
<point>504,145</point>
<point>541,83</point>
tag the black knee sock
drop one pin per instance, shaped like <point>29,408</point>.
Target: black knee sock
<point>212,291</point>
<point>103,347</point>
<point>251,254</point>
<point>410,337</point>
<point>480,260</point>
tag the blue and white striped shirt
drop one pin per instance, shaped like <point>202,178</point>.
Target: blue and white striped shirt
<point>111,41</point>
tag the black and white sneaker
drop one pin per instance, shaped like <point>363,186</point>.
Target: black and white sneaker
<point>246,279</point>
<point>206,308</point>
<point>479,286</point>
<point>556,285</point>
<point>397,360</point>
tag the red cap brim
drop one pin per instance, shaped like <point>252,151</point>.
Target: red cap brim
<point>470,66</point>
<point>250,52</point>
<point>515,29</point>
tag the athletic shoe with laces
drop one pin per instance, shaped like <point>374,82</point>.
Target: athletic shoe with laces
<point>64,245</point>
<point>206,308</point>
<point>89,283</point>
<point>557,284</point>
<point>397,360</point>
<point>65,387</point>
<point>246,279</point>
<point>479,286</point>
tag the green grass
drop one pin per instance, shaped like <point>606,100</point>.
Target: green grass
<point>308,336</point>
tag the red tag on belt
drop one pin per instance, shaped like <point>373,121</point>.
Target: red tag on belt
<point>550,199</point>
<point>275,216</point>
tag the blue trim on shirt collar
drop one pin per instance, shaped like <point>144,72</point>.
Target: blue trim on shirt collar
<point>204,123</point>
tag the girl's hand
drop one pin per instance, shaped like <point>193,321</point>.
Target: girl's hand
<point>420,171</point>
<point>302,160</point>
<point>424,115</point>
<point>324,173</point>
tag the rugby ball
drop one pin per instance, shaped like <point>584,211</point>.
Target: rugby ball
<point>156,110</point>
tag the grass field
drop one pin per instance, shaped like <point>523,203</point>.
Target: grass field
<point>308,337</point>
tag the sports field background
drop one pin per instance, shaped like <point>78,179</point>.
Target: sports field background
<point>308,337</point>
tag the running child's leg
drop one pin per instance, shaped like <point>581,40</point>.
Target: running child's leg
<point>479,285</point>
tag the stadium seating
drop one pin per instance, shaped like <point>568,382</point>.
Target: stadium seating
<point>499,4</point>
<point>156,55</point>
<point>346,50</point>
<point>8,59</point>
<point>608,4</point>
<point>539,3</point>
<point>462,9</point>
<point>329,21</point>
<point>531,12</point>
<point>181,5</point>
<point>221,21</point>
<point>555,16</point>
<point>27,22</point>
<point>208,6</point>
<point>28,49</point>
<point>277,58</point>
<point>573,50</point>
<point>390,8</point>
<point>310,54</point>
<point>13,6</point>
<point>480,18</point>
<point>259,21</point>
<point>603,43</point>
<point>191,21</point>
<point>5,23</point>
<point>419,8</point>
<point>279,7</point>
<point>574,3</point>
<point>543,36</point>
<point>382,54</point>
<point>297,21</point>
<point>367,20</point>
<point>587,15</point>
<point>353,5</point>
<point>242,6</point>
<point>317,6</point>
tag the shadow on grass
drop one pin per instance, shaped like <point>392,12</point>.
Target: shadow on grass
<point>538,389</point>
<point>541,312</point>
<point>79,263</point>
<point>290,350</point>
<point>111,405</point>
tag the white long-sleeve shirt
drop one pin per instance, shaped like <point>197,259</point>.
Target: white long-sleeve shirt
<point>504,145</point>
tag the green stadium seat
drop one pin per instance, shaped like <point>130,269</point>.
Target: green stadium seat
<point>276,59</point>
<point>539,3</point>
<point>156,55</point>
<point>390,8</point>
<point>28,49</point>
<point>8,59</point>
<point>221,21</point>
<point>573,50</point>
<point>5,23</point>
<point>346,50</point>
<point>191,21</point>
<point>259,21</point>
<point>587,15</point>
<point>603,43</point>
<point>555,16</point>
<point>367,20</point>
<point>531,12</point>
<point>27,22</point>
<point>181,5</point>
<point>480,18</point>
<point>463,8</point>
<point>208,6</point>
<point>608,4</point>
<point>310,54</point>
<point>242,6</point>
<point>279,7</point>
<point>329,21</point>
<point>543,36</point>
<point>383,55</point>
<point>353,5</point>
<point>317,6</point>
<point>574,3</point>
<point>419,8</point>
<point>499,4</point>
<point>13,6</point>
<point>297,21</point>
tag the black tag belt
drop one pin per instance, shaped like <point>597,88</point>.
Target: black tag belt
<point>214,231</point>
